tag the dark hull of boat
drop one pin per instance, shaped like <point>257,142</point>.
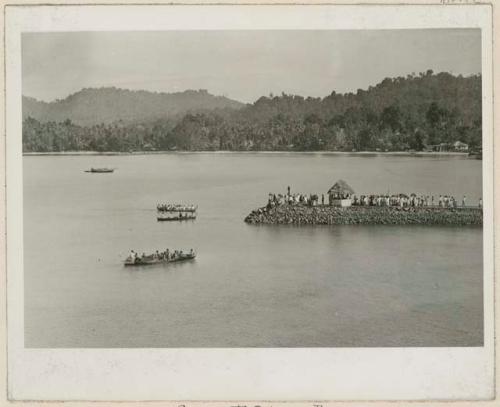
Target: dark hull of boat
<point>175,210</point>
<point>176,219</point>
<point>152,262</point>
<point>99,171</point>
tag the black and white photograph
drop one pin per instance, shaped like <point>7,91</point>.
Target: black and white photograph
<point>263,189</point>
<point>239,189</point>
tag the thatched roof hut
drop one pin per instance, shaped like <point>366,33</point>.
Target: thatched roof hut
<point>341,188</point>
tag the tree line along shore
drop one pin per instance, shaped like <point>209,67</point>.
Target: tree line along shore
<point>345,153</point>
<point>421,113</point>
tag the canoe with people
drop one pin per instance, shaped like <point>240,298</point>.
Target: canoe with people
<point>165,257</point>
<point>176,208</point>
<point>177,216</point>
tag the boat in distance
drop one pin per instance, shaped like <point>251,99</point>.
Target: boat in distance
<point>176,208</point>
<point>100,170</point>
<point>165,217</point>
<point>153,259</point>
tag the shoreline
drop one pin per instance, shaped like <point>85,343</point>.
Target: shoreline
<point>344,153</point>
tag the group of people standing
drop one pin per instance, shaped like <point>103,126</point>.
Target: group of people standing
<point>403,201</point>
<point>176,207</point>
<point>399,200</point>
<point>294,199</point>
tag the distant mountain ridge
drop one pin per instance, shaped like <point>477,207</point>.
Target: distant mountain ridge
<point>92,106</point>
<point>425,112</point>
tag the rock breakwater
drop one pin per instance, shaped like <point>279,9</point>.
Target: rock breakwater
<point>363,215</point>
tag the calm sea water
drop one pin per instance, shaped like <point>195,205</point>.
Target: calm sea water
<point>265,286</point>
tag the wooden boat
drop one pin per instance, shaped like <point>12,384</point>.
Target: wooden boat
<point>152,259</point>
<point>100,170</point>
<point>163,217</point>
<point>176,208</point>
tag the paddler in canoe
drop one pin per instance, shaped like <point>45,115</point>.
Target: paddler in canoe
<point>164,257</point>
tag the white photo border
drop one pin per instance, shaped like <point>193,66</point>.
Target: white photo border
<point>240,373</point>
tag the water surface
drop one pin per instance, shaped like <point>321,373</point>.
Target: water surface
<point>255,286</point>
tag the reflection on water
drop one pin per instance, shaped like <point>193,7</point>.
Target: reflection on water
<point>265,286</point>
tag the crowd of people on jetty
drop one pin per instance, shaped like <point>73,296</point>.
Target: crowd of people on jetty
<point>176,208</point>
<point>294,199</point>
<point>167,255</point>
<point>413,200</point>
<point>392,200</point>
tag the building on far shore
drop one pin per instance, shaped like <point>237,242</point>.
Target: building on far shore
<point>438,147</point>
<point>459,146</point>
<point>340,194</point>
<point>445,147</point>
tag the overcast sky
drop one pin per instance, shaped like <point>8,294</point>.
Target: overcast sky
<point>242,65</point>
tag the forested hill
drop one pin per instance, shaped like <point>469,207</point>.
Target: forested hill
<point>401,113</point>
<point>91,106</point>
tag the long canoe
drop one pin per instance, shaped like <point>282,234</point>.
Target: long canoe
<point>151,260</point>
<point>176,208</point>
<point>100,170</point>
<point>172,218</point>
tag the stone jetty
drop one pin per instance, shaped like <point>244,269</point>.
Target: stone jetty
<point>365,215</point>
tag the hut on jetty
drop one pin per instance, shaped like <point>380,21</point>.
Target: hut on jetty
<point>340,194</point>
